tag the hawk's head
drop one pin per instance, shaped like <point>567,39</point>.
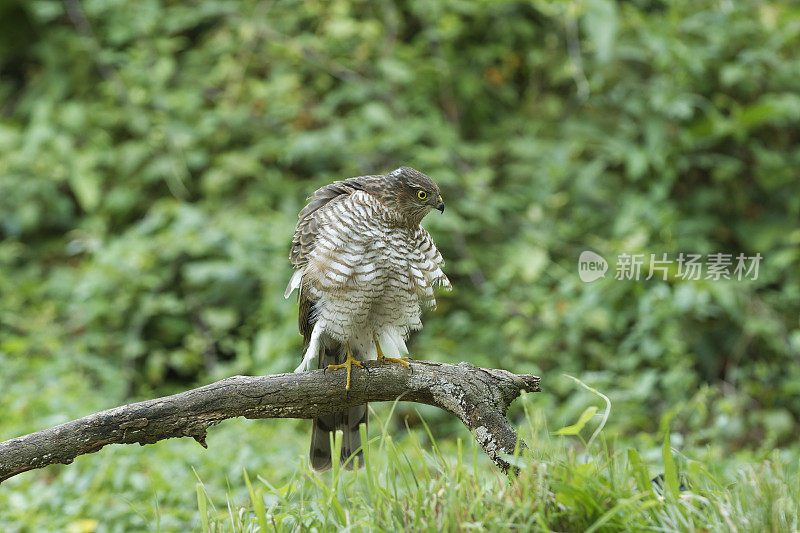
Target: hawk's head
<point>415,193</point>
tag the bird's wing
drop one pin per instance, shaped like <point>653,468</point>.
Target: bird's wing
<point>305,240</point>
<point>426,270</point>
<point>305,234</point>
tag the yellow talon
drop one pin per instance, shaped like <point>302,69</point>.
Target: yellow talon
<point>348,364</point>
<point>383,359</point>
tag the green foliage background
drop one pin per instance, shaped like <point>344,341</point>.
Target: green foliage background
<point>153,157</point>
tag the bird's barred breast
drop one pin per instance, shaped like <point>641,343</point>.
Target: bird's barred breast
<point>368,272</point>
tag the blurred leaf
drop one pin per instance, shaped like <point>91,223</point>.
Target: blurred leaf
<point>576,428</point>
<point>670,470</point>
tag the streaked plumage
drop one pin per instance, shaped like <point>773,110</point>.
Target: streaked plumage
<point>364,268</point>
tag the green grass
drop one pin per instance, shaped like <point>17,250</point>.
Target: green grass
<point>255,476</point>
<point>561,486</point>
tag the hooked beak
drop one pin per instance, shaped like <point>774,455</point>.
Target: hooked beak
<point>440,205</point>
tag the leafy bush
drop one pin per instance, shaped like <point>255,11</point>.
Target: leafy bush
<point>155,156</point>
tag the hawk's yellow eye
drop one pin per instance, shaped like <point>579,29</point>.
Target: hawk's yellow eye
<point>422,194</point>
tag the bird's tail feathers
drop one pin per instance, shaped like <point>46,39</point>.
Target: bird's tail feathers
<point>346,421</point>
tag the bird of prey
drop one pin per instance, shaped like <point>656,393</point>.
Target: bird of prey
<point>364,268</point>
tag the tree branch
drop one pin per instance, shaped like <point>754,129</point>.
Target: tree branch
<point>479,397</point>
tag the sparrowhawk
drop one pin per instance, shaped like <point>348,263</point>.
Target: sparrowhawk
<point>365,268</point>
